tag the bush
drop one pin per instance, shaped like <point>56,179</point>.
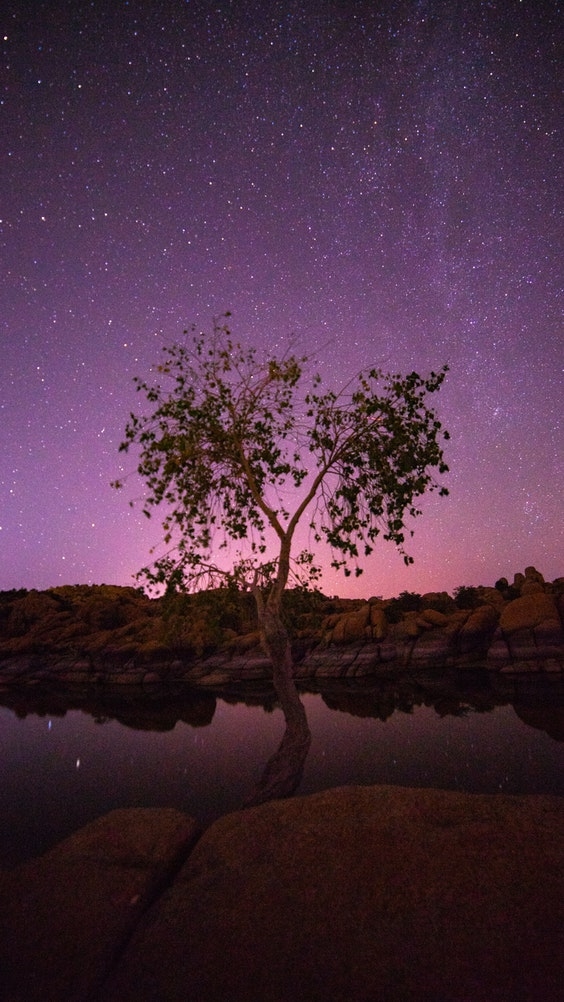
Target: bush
<point>467,597</point>
<point>12,595</point>
<point>407,601</point>
<point>302,607</point>
<point>197,622</point>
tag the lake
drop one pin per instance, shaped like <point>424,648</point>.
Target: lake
<point>66,760</point>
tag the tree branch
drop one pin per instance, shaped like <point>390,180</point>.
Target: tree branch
<point>267,511</point>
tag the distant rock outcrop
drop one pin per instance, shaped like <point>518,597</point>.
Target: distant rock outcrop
<point>105,634</point>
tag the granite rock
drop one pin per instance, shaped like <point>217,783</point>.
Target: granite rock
<point>65,916</point>
<point>361,893</point>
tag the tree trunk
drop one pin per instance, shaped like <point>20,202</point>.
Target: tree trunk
<point>284,769</point>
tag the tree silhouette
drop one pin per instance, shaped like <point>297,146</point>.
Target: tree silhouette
<point>241,449</point>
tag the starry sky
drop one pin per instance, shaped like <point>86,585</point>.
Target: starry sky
<point>379,183</point>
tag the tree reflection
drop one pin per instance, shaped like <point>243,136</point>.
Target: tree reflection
<point>284,769</point>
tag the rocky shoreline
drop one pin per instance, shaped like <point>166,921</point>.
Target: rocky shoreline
<point>96,635</point>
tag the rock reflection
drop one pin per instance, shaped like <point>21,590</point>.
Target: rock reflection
<point>142,710</point>
<point>540,705</point>
<point>549,719</point>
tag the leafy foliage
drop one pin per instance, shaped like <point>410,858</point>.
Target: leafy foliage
<point>11,595</point>
<point>200,621</point>
<point>239,453</point>
<point>467,597</point>
<point>407,601</point>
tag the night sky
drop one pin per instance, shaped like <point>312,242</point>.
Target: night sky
<point>379,181</point>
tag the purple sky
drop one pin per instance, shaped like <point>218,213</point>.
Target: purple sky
<point>380,181</point>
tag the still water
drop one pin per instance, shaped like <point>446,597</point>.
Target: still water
<point>62,766</point>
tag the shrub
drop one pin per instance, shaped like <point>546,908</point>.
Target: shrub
<point>467,597</point>
<point>407,601</point>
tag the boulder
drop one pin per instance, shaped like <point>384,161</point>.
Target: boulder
<point>352,626</point>
<point>65,916</point>
<point>432,617</point>
<point>131,677</point>
<point>333,661</point>
<point>531,574</point>
<point>531,628</point>
<point>439,600</point>
<point>431,649</point>
<point>408,628</point>
<point>498,652</point>
<point>532,588</point>
<point>476,633</point>
<point>246,642</point>
<point>215,678</point>
<point>378,622</point>
<point>375,893</point>
<point>35,607</point>
<point>492,596</point>
<point>151,678</point>
<point>528,612</point>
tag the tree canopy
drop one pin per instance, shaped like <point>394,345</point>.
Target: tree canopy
<point>240,449</point>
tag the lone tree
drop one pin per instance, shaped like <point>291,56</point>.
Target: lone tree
<point>240,453</point>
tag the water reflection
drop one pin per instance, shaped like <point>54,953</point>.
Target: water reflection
<point>144,709</point>
<point>69,756</point>
<point>539,704</point>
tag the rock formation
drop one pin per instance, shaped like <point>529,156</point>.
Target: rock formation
<point>100,635</point>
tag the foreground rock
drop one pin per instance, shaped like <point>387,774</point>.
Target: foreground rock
<point>65,916</point>
<point>357,893</point>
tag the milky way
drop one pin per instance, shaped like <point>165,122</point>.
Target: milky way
<point>379,183</point>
